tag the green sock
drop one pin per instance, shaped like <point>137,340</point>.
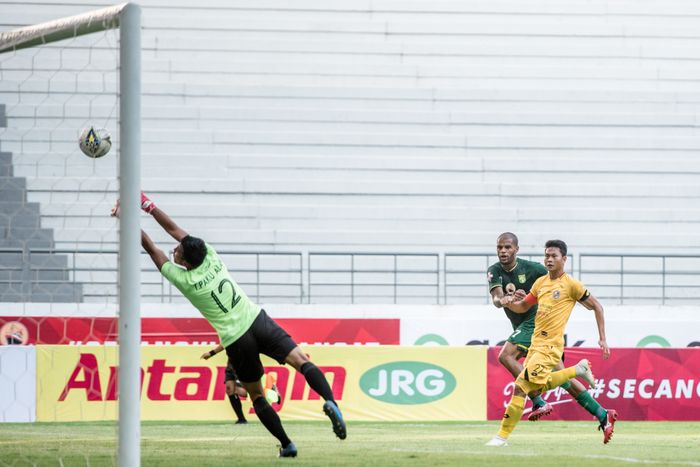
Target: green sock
<point>586,401</point>
<point>537,401</point>
<point>566,385</point>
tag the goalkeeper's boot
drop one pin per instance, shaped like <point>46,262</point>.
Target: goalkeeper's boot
<point>609,426</point>
<point>289,451</point>
<point>497,442</point>
<point>540,412</point>
<point>583,369</point>
<point>333,412</point>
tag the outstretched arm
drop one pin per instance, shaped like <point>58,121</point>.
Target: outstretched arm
<point>497,296</point>
<point>159,215</point>
<point>519,302</point>
<point>210,353</point>
<point>162,218</point>
<point>157,255</point>
<point>593,304</point>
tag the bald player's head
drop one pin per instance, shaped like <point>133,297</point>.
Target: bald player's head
<point>509,236</point>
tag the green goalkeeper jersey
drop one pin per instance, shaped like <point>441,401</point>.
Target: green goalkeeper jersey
<point>211,290</point>
<point>522,276</point>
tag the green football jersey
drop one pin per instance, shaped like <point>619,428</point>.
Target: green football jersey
<point>522,276</point>
<point>218,298</point>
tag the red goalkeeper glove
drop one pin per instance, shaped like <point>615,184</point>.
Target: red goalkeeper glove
<point>146,204</point>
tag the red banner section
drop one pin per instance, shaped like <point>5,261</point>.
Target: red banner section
<point>641,384</point>
<point>72,331</point>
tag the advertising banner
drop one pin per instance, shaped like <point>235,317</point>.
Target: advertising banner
<point>626,326</point>
<point>641,384</point>
<point>369,383</point>
<point>83,330</point>
<point>177,323</point>
<point>17,383</point>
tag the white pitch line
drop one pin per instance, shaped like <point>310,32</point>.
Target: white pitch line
<point>640,461</point>
<point>506,451</point>
<point>53,440</point>
<point>143,438</point>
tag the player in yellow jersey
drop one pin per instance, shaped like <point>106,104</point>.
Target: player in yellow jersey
<point>556,295</point>
<point>511,274</point>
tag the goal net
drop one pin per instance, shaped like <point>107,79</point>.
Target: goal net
<point>69,273</point>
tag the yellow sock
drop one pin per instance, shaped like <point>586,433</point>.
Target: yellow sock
<point>512,416</point>
<point>560,377</point>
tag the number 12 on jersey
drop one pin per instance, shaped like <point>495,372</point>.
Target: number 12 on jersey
<point>234,301</point>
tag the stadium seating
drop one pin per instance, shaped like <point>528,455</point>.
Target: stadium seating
<point>384,126</point>
<point>30,271</point>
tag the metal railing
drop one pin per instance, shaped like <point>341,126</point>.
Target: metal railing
<point>265,277</point>
<point>373,278</point>
<point>393,278</point>
<point>637,278</point>
<point>465,276</point>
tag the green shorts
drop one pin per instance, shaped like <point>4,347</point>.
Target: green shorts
<point>522,336</point>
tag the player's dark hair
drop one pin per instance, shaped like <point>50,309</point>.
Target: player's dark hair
<point>557,244</point>
<point>194,250</point>
<point>511,235</point>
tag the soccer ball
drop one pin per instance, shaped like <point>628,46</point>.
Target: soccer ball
<point>95,142</point>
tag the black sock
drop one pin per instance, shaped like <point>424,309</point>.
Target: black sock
<point>237,406</point>
<point>271,420</point>
<point>317,381</point>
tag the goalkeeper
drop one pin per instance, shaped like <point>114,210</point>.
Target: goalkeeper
<point>244,329</point>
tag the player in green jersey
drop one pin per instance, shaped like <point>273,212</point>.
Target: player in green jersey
<point>244,329</point>
<point>506,277</point>
<point>514,277</point>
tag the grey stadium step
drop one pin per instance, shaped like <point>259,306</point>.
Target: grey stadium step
<point>6,164</point>
<point>12,189</point>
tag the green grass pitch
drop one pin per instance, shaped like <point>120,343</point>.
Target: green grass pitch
<point>431,444</point>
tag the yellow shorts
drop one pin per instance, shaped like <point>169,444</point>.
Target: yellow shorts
<point>538,367</point>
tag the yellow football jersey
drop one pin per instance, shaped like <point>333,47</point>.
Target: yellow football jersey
<point>556,299</point>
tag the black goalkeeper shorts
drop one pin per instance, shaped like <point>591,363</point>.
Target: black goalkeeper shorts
<point>264,336</point>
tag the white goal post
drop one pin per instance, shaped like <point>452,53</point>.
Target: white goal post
<point>126,17</point>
